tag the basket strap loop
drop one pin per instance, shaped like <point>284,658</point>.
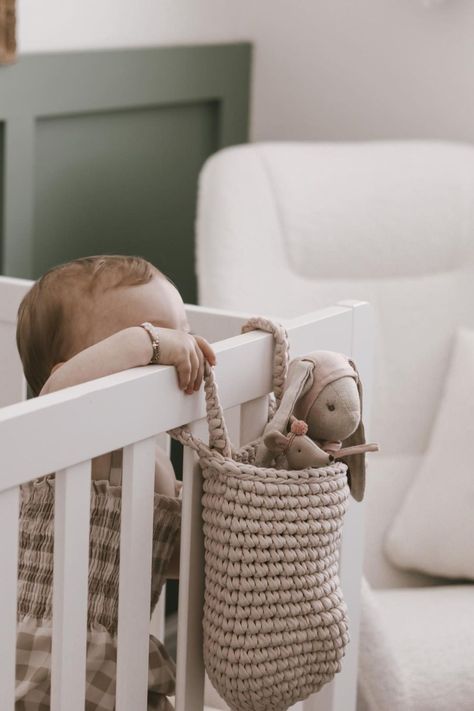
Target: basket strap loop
<point>281,352</point>
<point>219,442</point>
<point>186,438</point>
<point>218,437</point>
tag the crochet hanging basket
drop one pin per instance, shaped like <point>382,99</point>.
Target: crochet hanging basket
<point>275,623</point>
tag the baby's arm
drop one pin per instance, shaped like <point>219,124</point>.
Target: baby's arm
<point>125,349</point>
<point>165,479</point>
<point>130,348</point>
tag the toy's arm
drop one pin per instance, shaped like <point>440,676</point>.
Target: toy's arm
<point>356,449</point>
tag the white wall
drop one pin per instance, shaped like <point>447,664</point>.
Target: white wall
<point>324,69</point>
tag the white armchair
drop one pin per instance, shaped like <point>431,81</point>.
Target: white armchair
<point>287,228</point>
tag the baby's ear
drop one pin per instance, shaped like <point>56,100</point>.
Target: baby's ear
<point>275,441</point>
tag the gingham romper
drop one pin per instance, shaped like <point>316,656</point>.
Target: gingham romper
<point>35,578</point>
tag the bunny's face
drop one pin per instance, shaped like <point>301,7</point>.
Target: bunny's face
<point>335,414</point>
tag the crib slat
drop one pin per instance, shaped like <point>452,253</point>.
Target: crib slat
<point>9,502</point>
<point>232,421</point>
<point>135,575</point>
<point>253,418</point>
<point>70,584</point>
<point>157,624</point>
<point>190,666</point>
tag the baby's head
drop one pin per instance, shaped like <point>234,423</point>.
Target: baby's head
<point>77,304</point>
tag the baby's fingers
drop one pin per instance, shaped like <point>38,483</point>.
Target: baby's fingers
<point>206,350</point>
<point>183,368</point>
<point>200,373</point>
<point>194,360</point>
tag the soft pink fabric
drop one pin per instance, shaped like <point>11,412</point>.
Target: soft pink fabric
<point>299,427</point>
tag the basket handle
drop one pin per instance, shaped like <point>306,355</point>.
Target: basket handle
<point>218,436</point>
<point>281,353</point>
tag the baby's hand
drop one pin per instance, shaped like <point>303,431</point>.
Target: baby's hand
<point>187,354</point>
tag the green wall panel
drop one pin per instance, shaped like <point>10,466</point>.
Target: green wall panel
<point>100,152</point>
<point>122,182</point>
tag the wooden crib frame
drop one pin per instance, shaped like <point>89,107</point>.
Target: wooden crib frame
<point>63,431</point>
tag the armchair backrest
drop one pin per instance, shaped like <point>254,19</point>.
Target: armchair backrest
<point>287,228</point>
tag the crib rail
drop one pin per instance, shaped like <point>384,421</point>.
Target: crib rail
<point>63,431</point>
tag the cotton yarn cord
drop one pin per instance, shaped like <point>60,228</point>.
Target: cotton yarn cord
<point>280,355</point>
<point>219,443</point>
<point>218,436</point>
<point>275,625</point>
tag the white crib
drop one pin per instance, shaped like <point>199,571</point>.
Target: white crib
<point>63,431</point>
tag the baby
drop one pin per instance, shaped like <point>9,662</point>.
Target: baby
<point>81,321</point>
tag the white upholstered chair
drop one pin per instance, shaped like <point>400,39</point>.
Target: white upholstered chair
<point>287,228</point>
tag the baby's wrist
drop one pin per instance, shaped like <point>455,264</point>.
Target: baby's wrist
<point>144,345</point>
<point>155,340</point>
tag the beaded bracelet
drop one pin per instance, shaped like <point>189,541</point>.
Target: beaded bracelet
<point>155,341</point>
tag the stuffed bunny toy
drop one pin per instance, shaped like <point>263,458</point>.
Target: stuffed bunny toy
<point>323,389</point>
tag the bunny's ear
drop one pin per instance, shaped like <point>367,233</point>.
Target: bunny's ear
<point>299,379</point>
<point>356,462</point>
<point>276,441</point>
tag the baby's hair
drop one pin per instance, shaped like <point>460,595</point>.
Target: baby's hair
<point>45,333</point>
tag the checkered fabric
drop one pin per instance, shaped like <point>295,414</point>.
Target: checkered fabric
<point>34,629</point>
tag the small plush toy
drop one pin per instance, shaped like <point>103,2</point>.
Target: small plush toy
<point>323,390</point>
<point>300,451</point>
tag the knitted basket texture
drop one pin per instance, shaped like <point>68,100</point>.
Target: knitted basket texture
<point>275,623</point>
